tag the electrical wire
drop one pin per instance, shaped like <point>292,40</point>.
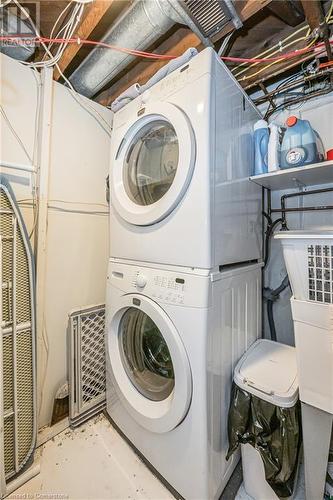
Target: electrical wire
<point>15,134</point>
<point>50,206</point>
<point>88,107</point>
<point>272,50</point>
<point>278,47</point>
<point>35,198</point>
<point>150,55</point>
<point>251,75</point>
<point>303,98</point>
<point>68,29</point>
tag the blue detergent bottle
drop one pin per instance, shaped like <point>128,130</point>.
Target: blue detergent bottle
<point>301,144</point>
<point>261,138</point>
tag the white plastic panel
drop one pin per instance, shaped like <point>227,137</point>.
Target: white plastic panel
<point>313,324</point>
<point>87,363</point>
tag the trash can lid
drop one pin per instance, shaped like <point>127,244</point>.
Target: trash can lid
<point>268,370</point>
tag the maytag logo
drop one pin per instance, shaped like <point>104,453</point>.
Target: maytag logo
<point>15,22</point>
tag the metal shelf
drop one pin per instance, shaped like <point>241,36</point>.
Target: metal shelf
<point>310,175</point>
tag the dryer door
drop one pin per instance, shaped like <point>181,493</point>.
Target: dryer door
<point>150,368</point>
<point>153,165</point>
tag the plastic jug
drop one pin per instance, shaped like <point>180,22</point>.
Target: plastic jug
<point>301,144</point>
<point>261,138</point>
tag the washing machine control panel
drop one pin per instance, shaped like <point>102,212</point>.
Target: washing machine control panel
<point>160,286</point>
<point>163,286</point>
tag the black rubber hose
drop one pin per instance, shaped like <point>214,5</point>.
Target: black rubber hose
<point>268,235</point>
<point>273,296</point>
<point>271,322</point>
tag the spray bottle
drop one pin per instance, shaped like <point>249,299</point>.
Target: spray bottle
<point>274,148</point>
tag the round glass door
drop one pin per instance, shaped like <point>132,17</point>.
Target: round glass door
<point>151,164</point>
<point>150,369</point>
<point>146,356</point>
<point>153,159</point>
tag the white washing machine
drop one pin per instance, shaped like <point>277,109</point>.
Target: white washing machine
<point>181,155</point>
<point>173,338</point>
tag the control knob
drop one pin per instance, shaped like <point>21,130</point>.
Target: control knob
<point>141,281</point>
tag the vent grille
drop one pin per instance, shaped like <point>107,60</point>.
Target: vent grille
<point>320,273</point>
<point>17,340</point>
<point>87,348</point>
<point>209,15</point>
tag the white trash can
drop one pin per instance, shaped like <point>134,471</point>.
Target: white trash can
<point>268,371</point>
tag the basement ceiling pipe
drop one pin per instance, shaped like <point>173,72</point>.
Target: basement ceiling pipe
<point>137,28</point>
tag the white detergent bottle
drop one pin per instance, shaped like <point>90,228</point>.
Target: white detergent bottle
<point>274,148</point>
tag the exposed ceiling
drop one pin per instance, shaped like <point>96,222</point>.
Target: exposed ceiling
<point>265,24</point>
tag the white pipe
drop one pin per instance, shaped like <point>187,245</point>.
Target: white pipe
<point>18,166</point>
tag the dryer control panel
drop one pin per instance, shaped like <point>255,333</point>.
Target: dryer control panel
<point>162,286</point>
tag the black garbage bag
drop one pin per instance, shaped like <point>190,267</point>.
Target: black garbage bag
<point>274,431</point>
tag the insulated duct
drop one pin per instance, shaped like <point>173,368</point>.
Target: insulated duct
<point>138,28</point>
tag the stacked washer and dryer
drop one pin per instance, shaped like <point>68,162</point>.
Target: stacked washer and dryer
<point>184,277</point>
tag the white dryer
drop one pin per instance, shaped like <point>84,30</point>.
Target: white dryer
<point>181,156</point>
<point>173,338</point>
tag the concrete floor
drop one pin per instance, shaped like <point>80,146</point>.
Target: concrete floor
<point>93,462</point>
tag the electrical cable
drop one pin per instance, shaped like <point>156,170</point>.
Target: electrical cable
<point>306,97</point>
<point>28,203</point>
<point>277,60</point>
<point>279,45</point>
<point>150,55</point>
<point>271,53</point>
<point>15,134</point>
<point>91,110</point>
<point>35,198</point>
<point>75,17</point>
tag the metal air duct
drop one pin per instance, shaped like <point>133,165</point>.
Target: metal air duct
<point>138,28</point>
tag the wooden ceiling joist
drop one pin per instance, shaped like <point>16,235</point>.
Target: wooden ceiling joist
<point>94,13</point>
<point>176,45</point>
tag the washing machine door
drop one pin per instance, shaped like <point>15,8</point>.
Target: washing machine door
<point>149,365</point>
<point>153,164</point>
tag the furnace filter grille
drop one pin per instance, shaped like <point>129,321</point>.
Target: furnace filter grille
<point>320,273</point>
<point>87,348</point>
<point>17,340</point>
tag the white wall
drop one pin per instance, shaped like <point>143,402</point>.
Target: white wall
<point>18,98</point>
<point>77,236</point>
<point>319,112</point>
